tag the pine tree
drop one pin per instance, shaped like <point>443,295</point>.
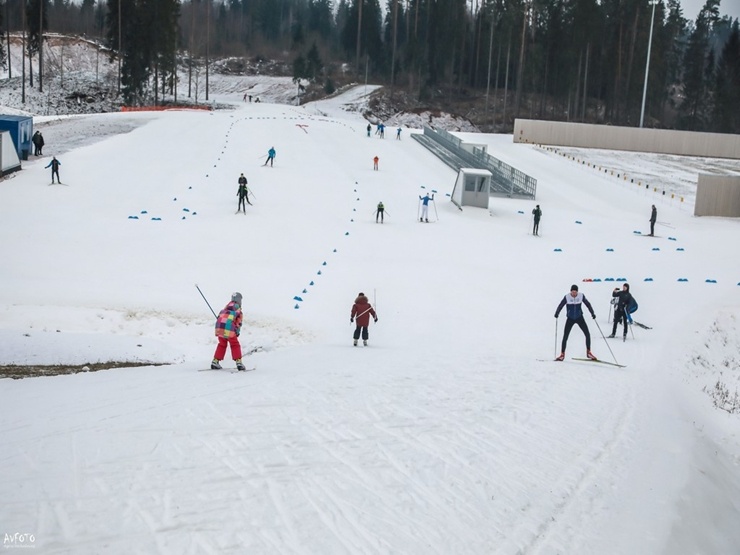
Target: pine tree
<point>726,115</point>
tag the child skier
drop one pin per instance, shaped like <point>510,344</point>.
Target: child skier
<point>228,327</point>
<point>361,311</point>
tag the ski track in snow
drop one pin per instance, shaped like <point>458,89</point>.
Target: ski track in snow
<point>350,451</point>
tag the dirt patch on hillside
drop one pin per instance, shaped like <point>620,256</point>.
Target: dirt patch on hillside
<point>18,372</point>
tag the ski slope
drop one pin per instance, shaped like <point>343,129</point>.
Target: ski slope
<point>452,432</point>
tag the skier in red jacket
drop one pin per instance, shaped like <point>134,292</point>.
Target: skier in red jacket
<point>361,312</point>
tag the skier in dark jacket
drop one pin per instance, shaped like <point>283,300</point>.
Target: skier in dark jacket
<point>624,300</point>
<point>536,214</point>
<point>379,212</point>
<point>361,312</point>
<point>243,194</point>
<point>574,315</point>
<point>54,165</point>
<point>653,219</point>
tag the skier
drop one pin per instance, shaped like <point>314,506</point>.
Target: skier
<point>653,218</point>
<point>375,163</point>
<point>624,300</point>
<point>270,156</point>
<point>379,212</point>
<point>243,194</point>
<point>398,134</point>
<point>425,207</point>
<point>54,165</point>
<point>361,311</point>
<point>537,213</point>
<point>574,315</point>
<point>228,327</point>
<point>369,127</point>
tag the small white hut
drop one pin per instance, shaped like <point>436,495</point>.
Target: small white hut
<point>472,188</point>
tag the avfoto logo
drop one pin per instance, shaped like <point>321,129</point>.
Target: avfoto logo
<point>19,540</point>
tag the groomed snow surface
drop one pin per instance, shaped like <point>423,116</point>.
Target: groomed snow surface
<point>453,432</point>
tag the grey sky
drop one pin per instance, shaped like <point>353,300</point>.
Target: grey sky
<point>726,7</point>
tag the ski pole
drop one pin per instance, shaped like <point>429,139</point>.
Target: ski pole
<point>605,341</point>
<point>435,210</point>
<point>206,300</point>
<point>556,337</point>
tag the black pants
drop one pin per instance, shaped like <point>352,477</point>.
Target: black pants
<point>243,206</point>
<point>356,335</point>
<point>619,316</point>
<point>379,213</point>
<point>536,227</point>
<point>584,328</point>
<point>652,227</point>
<point>53,173</point>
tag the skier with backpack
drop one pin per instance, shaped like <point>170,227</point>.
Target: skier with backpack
<point>625,304</point>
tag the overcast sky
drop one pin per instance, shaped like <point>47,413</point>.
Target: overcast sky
<point>726,7</point>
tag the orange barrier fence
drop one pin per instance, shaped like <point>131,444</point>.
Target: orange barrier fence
<point>163,108</point>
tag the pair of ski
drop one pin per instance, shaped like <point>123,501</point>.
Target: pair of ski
<point>229,370</point>
<point>589,360</point>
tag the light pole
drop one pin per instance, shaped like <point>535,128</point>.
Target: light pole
<point>647,64</point>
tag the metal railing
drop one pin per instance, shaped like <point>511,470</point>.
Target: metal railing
<point>506,180</point>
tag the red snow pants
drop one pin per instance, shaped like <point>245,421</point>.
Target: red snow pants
<point>233,342</point>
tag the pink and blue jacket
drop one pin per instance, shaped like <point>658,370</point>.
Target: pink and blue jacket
<point>229,321</point>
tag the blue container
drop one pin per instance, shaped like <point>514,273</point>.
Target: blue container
<point>21,131</point>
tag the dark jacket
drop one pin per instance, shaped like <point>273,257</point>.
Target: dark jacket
<point>362,310</point>
<point>574,310</point>
<point>624,299</point>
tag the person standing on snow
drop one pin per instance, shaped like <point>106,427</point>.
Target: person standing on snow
<point>35,141</point>
<point>369,127</point>
<point>228,328</point>
<point>653,219</point>
<point>361,312</point>
<point>243,194</point>
<point>270,156</point>
<point>574,315</point>
<point>624,300</point>
<point>375,163</point>
<point>54,165</point>
<point>398,134</point>
<point>537,214</point>
<point>425,207</point>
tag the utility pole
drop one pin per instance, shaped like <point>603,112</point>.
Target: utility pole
<point>41,45</point>
<point>120,49</point>
<point>647,64</point>
<point>359,33</point>
<point>208,39</point>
